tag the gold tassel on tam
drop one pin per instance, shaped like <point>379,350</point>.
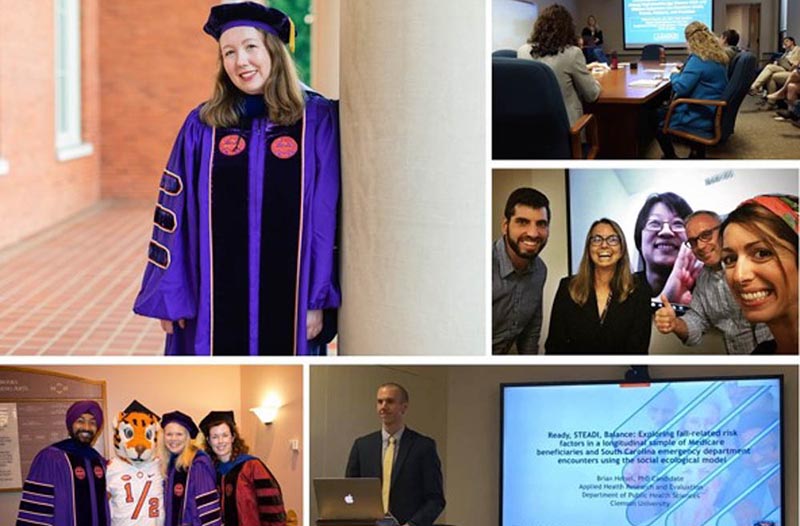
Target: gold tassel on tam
<point>291,35</point>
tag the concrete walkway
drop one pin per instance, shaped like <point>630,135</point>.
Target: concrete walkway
<point>69,290</point>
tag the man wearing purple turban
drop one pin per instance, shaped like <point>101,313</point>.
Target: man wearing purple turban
<point>66,485</point>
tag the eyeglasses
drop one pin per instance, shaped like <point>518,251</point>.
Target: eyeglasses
<point>655,225</point>
<point>704,236</point>
<point>612,240</point>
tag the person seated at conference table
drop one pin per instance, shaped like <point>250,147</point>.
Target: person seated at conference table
<point>759,254</point>
<point>603,309</point>
<point>666,265</point>
<point>704,75</point>
<point>553,41</point>
<point>777,72</point>
<point>729,40</point>
<point>594,32</point>
<point>789,92</point>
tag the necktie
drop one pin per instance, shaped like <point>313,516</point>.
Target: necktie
<point>388,462</point>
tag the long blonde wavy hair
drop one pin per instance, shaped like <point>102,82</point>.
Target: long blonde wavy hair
<point>622,284</point>
<point>703,43</point>
<point>282,92</point>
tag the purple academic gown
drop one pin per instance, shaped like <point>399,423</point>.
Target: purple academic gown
<point>179,281</point>
<point>66,486</point>
<point>191,497</point>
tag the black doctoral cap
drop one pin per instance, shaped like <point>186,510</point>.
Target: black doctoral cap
<point>225,16</point>
<point>216,417</point>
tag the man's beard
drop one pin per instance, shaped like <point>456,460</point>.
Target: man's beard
<point>525,255</point>
<point>84,437</point>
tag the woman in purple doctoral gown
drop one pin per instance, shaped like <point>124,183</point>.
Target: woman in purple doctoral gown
<point>190,491</point>
<point>241,261</point>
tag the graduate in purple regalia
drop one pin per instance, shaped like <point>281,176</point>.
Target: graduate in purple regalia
<point>66,485</point>
<point>190,494</point>
<point>241,259</point>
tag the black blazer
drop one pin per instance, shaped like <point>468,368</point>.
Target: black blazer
<point>577,330</point>
<point>416,495</point>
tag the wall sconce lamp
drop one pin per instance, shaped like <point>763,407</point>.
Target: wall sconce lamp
<point>267,412</point>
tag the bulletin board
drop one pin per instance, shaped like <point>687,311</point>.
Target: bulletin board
<point>33,406</point>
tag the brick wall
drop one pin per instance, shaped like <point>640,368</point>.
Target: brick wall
<point>156,65</point>
<point>40,191</point>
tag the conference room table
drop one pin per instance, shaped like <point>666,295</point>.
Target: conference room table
<point>626,114</point>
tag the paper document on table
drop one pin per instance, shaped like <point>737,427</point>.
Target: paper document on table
<point>645,83</point>
<point>654,71</point>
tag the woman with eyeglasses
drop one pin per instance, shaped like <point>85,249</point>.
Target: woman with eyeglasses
<point>666,264</point>
<point>759,254</point>
<point>603,309</point>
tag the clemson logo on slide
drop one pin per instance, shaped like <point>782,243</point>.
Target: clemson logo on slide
<point>284,147</point>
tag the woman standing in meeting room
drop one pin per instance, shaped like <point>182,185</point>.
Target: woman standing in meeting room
<point>704,75</point>
<point>759,254</point>
<point>602,309</point>
<point>241,259</point>
<point>594,32</point>
<point>554,42</point>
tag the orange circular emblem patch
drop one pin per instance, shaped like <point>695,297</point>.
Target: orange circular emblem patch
<point>284,147</point>
<point>232,145</point>
<point>80,473</point>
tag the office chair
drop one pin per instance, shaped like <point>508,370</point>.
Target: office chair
<point>726,109</point>
<point>651,52</point>
<point>507,53</point>
<point>529,120</point>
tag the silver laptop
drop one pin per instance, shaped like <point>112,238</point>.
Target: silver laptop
<point>351,499</point>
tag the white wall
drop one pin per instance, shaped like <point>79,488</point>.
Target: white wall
<point>512,21</point>
<point>413,157</point>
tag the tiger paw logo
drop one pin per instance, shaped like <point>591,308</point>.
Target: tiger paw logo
<point>80,473</point>
<point>284,147</point>
<point>231,145</point>
<point>178,490</point>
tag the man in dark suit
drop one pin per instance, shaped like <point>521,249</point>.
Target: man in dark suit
<point>413,494</point>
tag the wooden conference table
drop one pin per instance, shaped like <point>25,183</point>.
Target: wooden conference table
<point>625,113</point>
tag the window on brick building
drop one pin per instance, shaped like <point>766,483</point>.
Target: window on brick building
<point>69,141</point>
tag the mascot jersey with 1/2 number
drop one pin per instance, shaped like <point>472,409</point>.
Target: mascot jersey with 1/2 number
<point>244,233</point>
<point>135,482</point>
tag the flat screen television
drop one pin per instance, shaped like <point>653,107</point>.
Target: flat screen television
<point>662,22</point>
<point>662,453</point>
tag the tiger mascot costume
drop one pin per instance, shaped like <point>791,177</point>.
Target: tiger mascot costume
<point>134,480</point>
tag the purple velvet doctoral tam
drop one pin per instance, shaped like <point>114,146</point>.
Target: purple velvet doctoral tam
<point>244,234</point>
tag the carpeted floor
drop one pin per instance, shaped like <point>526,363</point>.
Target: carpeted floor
<point>757,136</point>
